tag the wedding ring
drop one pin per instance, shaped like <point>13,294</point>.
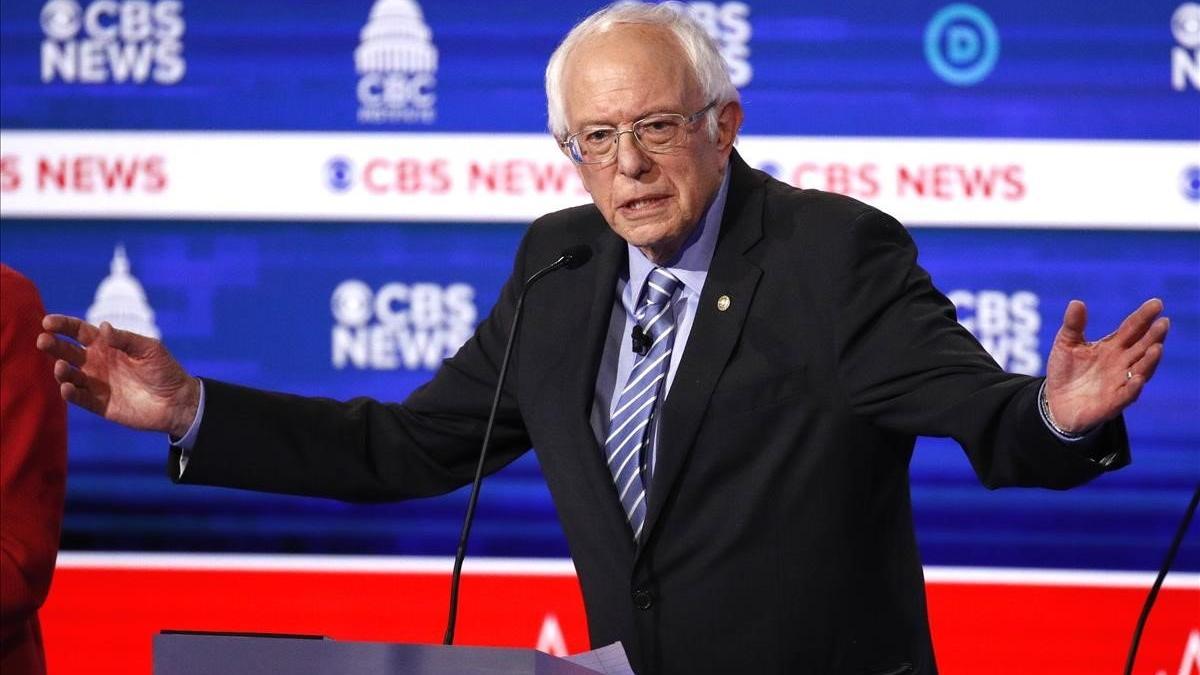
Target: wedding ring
<point>1128,375</point>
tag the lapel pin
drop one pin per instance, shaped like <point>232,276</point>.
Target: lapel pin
<point>723,303</point>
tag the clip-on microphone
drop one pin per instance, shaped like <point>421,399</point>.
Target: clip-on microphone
<point>641,341</point>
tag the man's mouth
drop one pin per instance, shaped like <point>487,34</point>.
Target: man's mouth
<point>643,203</point>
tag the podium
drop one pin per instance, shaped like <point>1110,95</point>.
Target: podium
<point>229,654</point>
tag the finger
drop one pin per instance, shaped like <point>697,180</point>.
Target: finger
<point>1131,392</point>
<point>1155,335</point>
<point>63,372</point>
<point>70,326</point>
<point>62,349</point>
<point>1138,323</point>
<point>1144,369</point>
<point>126,341</point>
<point>81,397</point>
<point>1074,322</point>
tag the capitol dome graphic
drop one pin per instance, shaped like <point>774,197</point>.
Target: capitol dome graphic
<point>396,39</point>
<point>121,301</point>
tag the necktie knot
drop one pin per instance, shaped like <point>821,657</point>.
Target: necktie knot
<point>660,287</point>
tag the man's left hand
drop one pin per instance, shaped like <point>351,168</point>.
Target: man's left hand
<point>1089,383</point>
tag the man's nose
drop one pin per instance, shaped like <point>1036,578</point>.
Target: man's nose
<point>631,158</point>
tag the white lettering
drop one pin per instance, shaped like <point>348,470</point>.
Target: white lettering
<point>97,28</point>
<point>1190,663</point>
<point>1023,309</point>
<point>168,19</point>
<point>92,60</point>
<point>1185,69</point>
<point>129,61</point>
<point>460,304</point>
<point>59,60</point>
<point>1006,326</point>
<point>135,20</point>
<point>387,302</point>
<point>383,348</point>
<point>420,348</point>
<point>551,639</point>
<point>169,66</point>
<point>349,344</point>
<point>133,41</point>
<point>410,326</point>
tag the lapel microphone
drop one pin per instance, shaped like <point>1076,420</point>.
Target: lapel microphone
<point>641,341</point>
<point>571,258</point>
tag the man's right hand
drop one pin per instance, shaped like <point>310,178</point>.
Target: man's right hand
<point>124,377</point>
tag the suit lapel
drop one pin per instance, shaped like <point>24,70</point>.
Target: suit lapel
<point>593,317</point>
<point>713,336</point>
<point>586,323</point>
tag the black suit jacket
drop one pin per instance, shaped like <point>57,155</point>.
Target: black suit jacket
<point>779,533</point>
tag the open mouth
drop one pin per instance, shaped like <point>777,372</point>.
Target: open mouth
<point>643,204</point>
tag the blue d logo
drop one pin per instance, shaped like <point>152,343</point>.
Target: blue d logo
<point>961,44</point>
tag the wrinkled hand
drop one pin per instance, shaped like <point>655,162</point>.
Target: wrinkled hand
<point>1089,383</point>
<point>124,377</point>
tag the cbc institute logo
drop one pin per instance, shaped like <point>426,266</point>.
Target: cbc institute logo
<point>962,44</point>
<point>397,65</point>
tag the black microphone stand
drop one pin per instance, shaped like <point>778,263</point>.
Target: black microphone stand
<point>571,258</point>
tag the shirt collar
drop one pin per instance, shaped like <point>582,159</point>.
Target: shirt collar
<point>691,265</point>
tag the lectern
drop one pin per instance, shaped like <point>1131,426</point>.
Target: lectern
<point>216,654</point>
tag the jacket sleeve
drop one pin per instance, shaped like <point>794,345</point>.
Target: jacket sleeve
<point>33,457</point>
<point>907,365</point>
<point>364,450</point>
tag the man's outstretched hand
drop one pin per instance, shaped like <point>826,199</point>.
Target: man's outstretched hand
<point>124,377</point>
<point>1089,383</point>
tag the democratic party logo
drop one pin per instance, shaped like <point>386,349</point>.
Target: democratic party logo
<point>121,301</point>
<point>400,326</point>
<point>961,44</point>
<point>397,64</point>
<point>1185,56</point>
<point>133,41</point>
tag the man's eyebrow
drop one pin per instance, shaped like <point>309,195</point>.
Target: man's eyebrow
<point>658,110</point>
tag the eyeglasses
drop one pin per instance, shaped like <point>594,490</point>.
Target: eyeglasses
<point>658,133</point>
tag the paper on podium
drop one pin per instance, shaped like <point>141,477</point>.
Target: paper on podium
<point>610,660</point>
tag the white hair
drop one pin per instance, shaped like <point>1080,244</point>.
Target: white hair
<point>703,57</point>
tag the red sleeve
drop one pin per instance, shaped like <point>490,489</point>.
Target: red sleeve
<point>33,456</point>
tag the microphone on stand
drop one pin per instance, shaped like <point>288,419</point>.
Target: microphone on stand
<point>571,258</point>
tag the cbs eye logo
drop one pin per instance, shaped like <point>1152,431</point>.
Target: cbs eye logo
<point>961,44</point>
<point>61,19</point>
<point>339,174</point>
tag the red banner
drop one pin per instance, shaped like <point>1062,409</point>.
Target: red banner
<point>103,611</point>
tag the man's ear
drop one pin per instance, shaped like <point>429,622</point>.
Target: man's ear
<point>729,121</point>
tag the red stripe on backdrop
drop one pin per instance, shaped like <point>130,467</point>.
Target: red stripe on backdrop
<point>101,619</point>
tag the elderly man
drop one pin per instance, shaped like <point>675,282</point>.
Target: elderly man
<point>733,479</point>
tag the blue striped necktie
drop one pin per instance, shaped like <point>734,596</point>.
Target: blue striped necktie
<point>630,425</point>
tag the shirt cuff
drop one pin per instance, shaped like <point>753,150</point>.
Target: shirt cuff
<point>188,440</point>
<point>1048,419</point>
